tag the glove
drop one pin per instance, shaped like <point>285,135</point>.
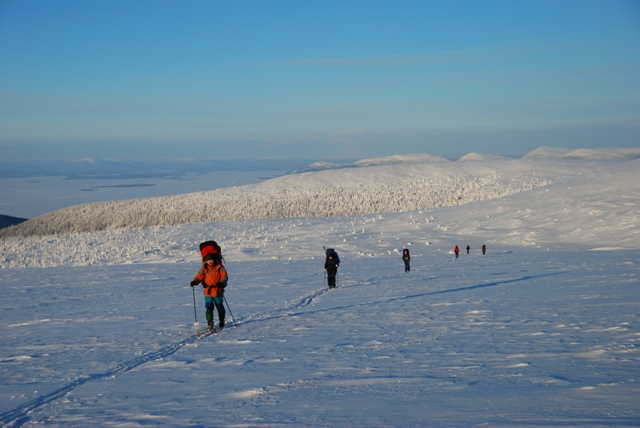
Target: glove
<point>221,284</point>
<point>194,283</point>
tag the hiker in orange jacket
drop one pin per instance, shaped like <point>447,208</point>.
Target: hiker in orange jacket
<point>213,277</point>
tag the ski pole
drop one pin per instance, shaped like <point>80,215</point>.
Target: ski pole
<point>231,313</point>
<point>195,315</point>
<point>324,280</point>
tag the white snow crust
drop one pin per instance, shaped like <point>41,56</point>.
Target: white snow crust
<point>97,328</point>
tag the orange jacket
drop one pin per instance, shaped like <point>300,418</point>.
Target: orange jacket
<point>210,276</point>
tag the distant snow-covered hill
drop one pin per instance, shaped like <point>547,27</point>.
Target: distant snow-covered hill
<point>393,184</point>
<point>542,203</point>
<point>481,157</point>
<point>387,160</point>
<point>586,154</point>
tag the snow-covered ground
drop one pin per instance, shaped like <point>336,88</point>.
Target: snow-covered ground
<point>381,185</point>
<point>543,330</point>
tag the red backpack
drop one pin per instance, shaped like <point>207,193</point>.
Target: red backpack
<point>211,247</point>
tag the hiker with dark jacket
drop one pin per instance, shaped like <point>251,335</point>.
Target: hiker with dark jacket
<point>407,260</point>
<point>468,248</point>
<point>213,277</point>
<point>331,267</point>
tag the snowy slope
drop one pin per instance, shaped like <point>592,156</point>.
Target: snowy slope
<point>392,184</point>
<point>540,331</point>
<point>519,337</point>
<point>598,206</point>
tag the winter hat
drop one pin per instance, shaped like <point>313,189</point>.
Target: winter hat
<point>209,256</point>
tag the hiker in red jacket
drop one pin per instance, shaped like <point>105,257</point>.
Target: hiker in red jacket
<point>456,250</point>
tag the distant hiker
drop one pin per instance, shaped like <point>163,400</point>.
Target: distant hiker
<point>456,250</point>
<point>407,260</point>
<point>468,248</point>
<point>213,277</point>
<point>336,257</point>
<point>484,249</point>
<point>331,267</point>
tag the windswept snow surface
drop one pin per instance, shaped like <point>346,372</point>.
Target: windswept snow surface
<point>518,337</point>
<point>97,329</point>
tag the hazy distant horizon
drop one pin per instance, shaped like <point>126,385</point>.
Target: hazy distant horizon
<point>32,188</point>
<point>315,80</point>
<point>252,155</point>
<point>29,197</point>
<point>119,167</point>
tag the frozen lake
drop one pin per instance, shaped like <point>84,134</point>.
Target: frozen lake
<point>29,197</point>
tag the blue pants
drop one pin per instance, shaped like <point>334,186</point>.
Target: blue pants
<point>218,302</point>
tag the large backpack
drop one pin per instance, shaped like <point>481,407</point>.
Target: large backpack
<point>211,247</point>
<point>334,253</point>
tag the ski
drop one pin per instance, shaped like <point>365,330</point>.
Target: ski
<point>207,331</point>
<point>203,333</point>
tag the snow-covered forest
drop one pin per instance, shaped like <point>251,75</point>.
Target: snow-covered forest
<point>394,184</point>
<point>98,327</point>
<point>357,193</point>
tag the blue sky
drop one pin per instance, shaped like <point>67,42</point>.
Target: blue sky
<point>315,79</point>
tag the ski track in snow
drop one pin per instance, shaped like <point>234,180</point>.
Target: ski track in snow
<point>18,416</point>
<point>303,306</point>
<point>542,331</point>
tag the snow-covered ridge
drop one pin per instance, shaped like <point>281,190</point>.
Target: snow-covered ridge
<point>393,184</point>
<point>368,189</point>
<point>481,157</point>
<point>387,160</point>
<point>585,204</point>
<point>400,159</point>
<point>317,166</point>
<point>585,154</point>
